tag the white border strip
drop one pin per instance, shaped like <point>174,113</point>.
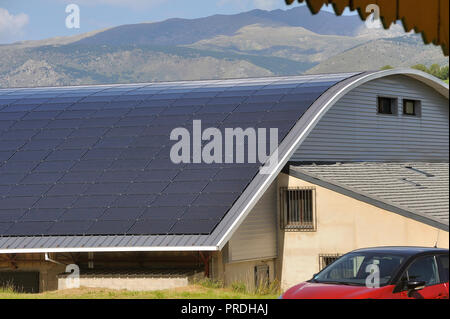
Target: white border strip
<point>105,249</point>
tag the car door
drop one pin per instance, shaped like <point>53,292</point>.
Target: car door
<point>444,273</point>
<point>425,269</point>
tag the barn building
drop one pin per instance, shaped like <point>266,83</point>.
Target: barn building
<point>87,178</point>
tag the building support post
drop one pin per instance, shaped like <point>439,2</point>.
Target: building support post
<point>205,257</point>
<point>11,259</point>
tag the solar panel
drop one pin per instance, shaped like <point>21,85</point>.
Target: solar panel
<point>24,190</point>
<point>146,111</point>
<point>131,164</point>
<point>205,212</point>
<point>20,107</point>
<point>18,134</point>
<point>12,167</point>
<point>88,132</point>
<point>67,189</point>
<point>78,143</point>
<point>94,201</point>
<point>47,115</point>
<point>107,189</point>
<point>11,145</point>
<point>115,142</point>
<point>13,115</point>
<point>163,212</point>
<point>52,166</point>
<point>226,186</point>
<point>147,188</point>
<point>170,200</point>
<point>90,165</point>
<point>29,228</point>
<point>134,200</point>
<point>98,122</point>
<point>29,155</point>
<point>53,202</point>
<point>121,213</point>
<point>196,174</point>
<point>63,124</point>
<point>44,144</point>
<point>179,187</point>
<point>11,179</point>
<point>42,215</point>
<point>51,133</point>
<point>81,214</point>
<point>117,176</point>
<point>30,124</point>
<point>64,227</point>
<point>154,226</point>
<point>59,155</point>
<point>4,227</point>
<point>10,215</point>
<point>125,131</point>
<point>135,121</point>
<point>79,114</point>
<point>193,227</point>
<point>109,227</point>
<point>42,178</point>
<point>156,175</point>
<point>5,124</point>
<point>210,199</point>
<point>102,154</point>
<point>96,160</point>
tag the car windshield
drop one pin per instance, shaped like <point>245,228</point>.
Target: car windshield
<point>355,268</point>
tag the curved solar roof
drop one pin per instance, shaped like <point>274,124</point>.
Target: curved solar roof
<point>94,160</point>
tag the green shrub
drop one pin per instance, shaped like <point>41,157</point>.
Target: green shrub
<point>239,287</point>
<point>209,283</point>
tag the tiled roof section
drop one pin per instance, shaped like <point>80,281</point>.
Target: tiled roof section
<point>94,160</point>
<point>420,188</point>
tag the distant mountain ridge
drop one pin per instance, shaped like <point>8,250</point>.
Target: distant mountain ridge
<point>187,31</point>
<point>249,44</point>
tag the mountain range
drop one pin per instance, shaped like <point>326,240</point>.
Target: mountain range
<point>250,44</point>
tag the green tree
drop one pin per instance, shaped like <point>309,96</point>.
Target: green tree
<point>444,73</point>
<point>435,70</point>
<point>420,67</point>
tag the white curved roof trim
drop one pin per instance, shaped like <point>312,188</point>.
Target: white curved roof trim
<point>313,115</point>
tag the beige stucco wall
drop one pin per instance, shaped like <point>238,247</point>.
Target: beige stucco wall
<point>131,283</point>
<point>239,272</point>
<point>345,224</point>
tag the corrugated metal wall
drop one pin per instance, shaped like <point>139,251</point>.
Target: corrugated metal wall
<point>353,131</point>
<point>256,237</point>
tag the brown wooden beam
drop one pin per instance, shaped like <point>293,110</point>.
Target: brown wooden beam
<point>205,257</point>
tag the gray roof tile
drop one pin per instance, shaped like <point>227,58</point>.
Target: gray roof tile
<point>420,188</point>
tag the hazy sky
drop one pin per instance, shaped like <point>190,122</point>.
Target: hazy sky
<point>39,19</point>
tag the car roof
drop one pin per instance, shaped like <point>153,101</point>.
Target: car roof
<point>403,250</point>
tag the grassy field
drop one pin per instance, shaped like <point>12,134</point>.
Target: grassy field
<point>190,292</point>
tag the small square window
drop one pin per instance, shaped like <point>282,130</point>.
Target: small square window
<point>327,259</point>
<point>387,105</point>
<point>411,107</point>
<point>298,209</point>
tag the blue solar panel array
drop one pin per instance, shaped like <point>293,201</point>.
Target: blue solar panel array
<point>95,160</point>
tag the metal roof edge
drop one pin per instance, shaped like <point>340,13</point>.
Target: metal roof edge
<point>107,249</point>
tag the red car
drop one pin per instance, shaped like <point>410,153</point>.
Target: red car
<point>380,273</point>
